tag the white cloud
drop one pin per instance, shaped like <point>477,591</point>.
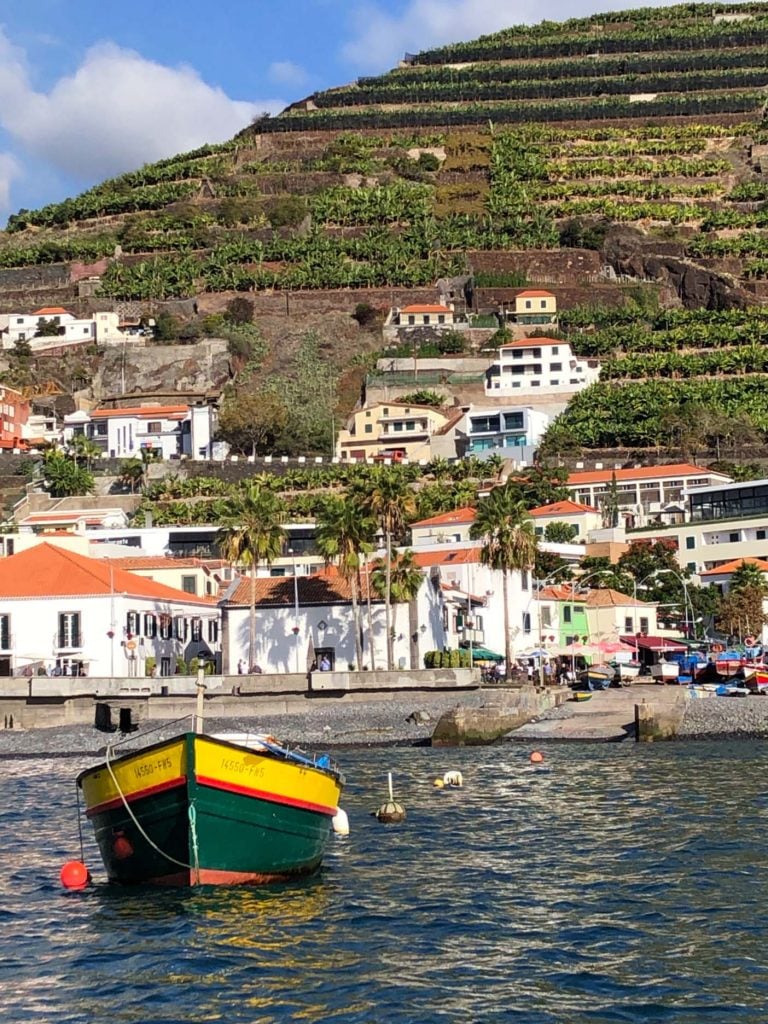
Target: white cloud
<point>285,72</point>
<point>9,169</point>
<point>381,39</point>
<point>116,112</point>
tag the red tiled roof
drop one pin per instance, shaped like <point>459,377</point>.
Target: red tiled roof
<point>562,508</point>
<point>143,411</point>
<point>561,592</point>
<point>47,570</point>
<point>91,518</point>
<point>456,517</point>
<point>426,309</point>
<point>153,562</point>
<point>729,567</point>
<point>534,293</point>
<point>51,311</point>
<point>607,598</point>
<point>535,343</point>
<point>451,556</point>
<point>598,476</point>
<point>278,591</point>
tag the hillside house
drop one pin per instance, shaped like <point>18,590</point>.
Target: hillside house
<point>396,430</point>
<point>582,518</point>
<point>420,315</point>
<point>14,418</point>
<point>540,366</point>
<point>511,431</point>
<point>169,430</point>
<point>534,308</point>
<point>101,329</point>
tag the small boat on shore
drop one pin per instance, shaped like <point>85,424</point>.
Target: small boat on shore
<point>665,672</point>
<point>626,671</point>
<point>597,677</point>
<point>581,695</point>
<point>201,810</point>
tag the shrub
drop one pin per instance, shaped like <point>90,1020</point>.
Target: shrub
<point>428,162</point>
<point>149,666</point>
<point>423,398</point>
<point>286,211</point>
<point>365,314</point>
<point>451,343</point>
<point>181,667</point>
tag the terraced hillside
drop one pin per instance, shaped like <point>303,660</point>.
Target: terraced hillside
<point>546,138</point>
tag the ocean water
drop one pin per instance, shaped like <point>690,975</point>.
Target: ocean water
<point>627,883</point>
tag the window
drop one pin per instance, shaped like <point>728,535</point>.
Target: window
<point>69,629</point>
<point>528,304</point>
<point>426,318</point>
<point>543,304</point>
<point>733,538</point>
<point>555,367</point>
<point>132,623</point>
<point>180,627</point>
<point>760,535</point>
<point>690,542</point>
<point>213,631</point>
<point>5,632</point>
<point>441,318</point>
<point>411,320</point>
<point>165,626</point>
<point>368,428</point>
<point>526,622</point>
<point>546,616</point>
<point>150,626</point>
<point>628,625</point>
<point>410,425</point>
<point>691,566</point>
<point>643,625</point>
<point>555,350</point>
<point>197,629</point>
<point>154,427</point>
<point>189,584</point>
<point>524,580</point>
<point>567,613</point>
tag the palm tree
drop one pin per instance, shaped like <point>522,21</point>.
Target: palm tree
<point>405,580</point>
<point>343,535</point>
<point>252,534</point>
<point>392,504</point>
<point>509,542</point>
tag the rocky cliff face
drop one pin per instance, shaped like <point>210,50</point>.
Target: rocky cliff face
<point>629,252</point>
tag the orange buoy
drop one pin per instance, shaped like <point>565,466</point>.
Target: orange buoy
<point>75,875</point>
<point>536,757</point>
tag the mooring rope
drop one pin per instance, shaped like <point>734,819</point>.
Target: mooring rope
<point>137,823</point>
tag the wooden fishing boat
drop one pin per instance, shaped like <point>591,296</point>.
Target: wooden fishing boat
<point>201,810</point>
<point>665,672</point>
<point>597,677</point>
<point>581,695</point>
<point>626,671</point>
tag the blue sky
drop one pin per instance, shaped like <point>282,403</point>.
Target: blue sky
<point>90,88</point>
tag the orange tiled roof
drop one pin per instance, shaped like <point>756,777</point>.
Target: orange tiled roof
<point>561,508</point>
<point>607,598</point>
<point>561,592</point>
<point>278,591</point>
<point>143,411</point>
<point>153,562</point>
<point>456,517</point>
<point>598,476</point>
<point>51,311</point>
<point>426,309</point>
<point>535,343</point>
<point>734,565</point>
<point>47,570</point>
<point>450,556</point>
<point>534,294</point>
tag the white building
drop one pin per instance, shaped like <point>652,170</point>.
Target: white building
<point>582,518</point>
<point>302,619</point>
<point>170,430</point>
<point>539,366</point>
<point>101,328</point>
<point>61,610</point>
<point>511,431</point>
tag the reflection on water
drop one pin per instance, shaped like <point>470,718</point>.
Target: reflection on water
<point>626,884</point>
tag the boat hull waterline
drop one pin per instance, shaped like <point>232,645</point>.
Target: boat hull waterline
<point>205,812</point>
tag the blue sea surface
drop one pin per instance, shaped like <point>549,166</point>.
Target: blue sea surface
<point>626,884</point>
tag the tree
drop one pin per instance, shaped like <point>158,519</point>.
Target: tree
<point>85,450</point>
<point>64,478</point>
<point>251,422</point>
<point>131,474</point>
<point>560,533</point>
<point>166,327</point>
<point>343,535</point>
<point>50,328</point>
<point>252,534</point>
<point>509,542</point>
<point>390,501</point>
<point>740,612</point>
<point>547,563</point>
<point>749,575</point>
<point>405,580</point>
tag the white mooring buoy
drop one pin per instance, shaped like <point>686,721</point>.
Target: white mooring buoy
<point>391,813</point>
<point>340,822</point>
<point>454,779</point>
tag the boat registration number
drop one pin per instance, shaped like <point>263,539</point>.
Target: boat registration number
<point>141,771</point>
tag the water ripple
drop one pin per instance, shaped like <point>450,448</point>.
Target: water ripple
<point>625,885</point>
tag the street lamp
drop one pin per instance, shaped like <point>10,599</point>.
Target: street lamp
<point>686,597</point>
<point>296,629</point>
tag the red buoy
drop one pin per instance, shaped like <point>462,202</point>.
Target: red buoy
<point>75,875</point>
<point>537,757</point>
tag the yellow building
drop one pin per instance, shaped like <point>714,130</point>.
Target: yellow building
<point>390,430</point>
<point>535,307</point>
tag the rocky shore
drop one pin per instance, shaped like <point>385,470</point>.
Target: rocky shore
<point>402,720</point>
